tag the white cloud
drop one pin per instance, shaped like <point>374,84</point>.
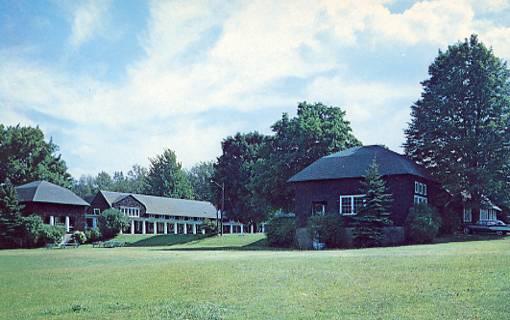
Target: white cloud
<point>256,45</point>
<point>87,20</point>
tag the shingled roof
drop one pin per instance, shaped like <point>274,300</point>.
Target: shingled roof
<point>166,206</point>
<point>354,162</point>
<point>44,191</point>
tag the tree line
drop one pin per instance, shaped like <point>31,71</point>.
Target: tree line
<point>459,130</point>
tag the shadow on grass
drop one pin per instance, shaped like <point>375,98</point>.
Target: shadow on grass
<point>166,240</point>
<point>259,245</point>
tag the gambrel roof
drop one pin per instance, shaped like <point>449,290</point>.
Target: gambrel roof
<point>44,191</point>
<point>354,162</point>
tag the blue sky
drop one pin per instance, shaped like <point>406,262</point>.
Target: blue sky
<point>116,82</point>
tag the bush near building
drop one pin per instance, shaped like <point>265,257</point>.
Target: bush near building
<point>422,224</point>
<point>111,221</point>
<point>281,232</point>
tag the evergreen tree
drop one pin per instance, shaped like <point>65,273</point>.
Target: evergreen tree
<point>373,216</point>
<point>11,221</point>
<point>460,127</point>
<point>167,178</point>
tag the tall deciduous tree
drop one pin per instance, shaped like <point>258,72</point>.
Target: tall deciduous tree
<point>25,156</point>
<point>167,178</point>
<point>373,216</point>
<point>460,128</point>
<point>316,131</point>
<point>200,176</point>
<point>234,170</point>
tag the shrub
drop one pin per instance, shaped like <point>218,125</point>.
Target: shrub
<point>93,235</point>
<point>451,221</point>
<point>111,221</point>
<point>51,234</point>
<point>79,237</point>
<point>209,226</point>
<point>327,229</point>
<point>32,229</point>
<point>422,224</point>
<point>281,232</point>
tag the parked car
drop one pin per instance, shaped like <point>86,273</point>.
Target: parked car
<point>488,226</point>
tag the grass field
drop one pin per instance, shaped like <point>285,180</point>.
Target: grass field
<point>219,279</point>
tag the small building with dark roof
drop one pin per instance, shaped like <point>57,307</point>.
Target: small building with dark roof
<point>56,205</point>
<point>153,214</point>
<point>332,184</point>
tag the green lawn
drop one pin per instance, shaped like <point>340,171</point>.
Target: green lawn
<point>458,280</point>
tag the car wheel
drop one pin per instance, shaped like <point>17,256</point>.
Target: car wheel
<point>467,231</point>
<point>500,233</point>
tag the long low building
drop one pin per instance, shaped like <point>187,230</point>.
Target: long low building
<point>152,214</point>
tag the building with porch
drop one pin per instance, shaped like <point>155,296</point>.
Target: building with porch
<point>153,214</point>
<point>56,205</point>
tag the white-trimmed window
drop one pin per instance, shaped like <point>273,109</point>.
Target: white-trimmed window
<point>96,211</point>
<point>350,205</point>
<point>488,214</point>
<point>468,217</point>
<point>420,188</point>
<point>130,211</point>
<point>318,208</point>
<point>420,199</point>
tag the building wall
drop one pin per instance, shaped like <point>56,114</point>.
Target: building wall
<point>130,202</point>
<point>98,202</point>
<point>329,191</point>
<point>45,210</point>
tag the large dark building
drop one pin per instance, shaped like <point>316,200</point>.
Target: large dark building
<point>332,184</point>
<point>56,205</point>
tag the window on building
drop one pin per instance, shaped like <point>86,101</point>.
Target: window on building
<point>130,211</point>
<point>492,214</point>
<point>318,208</point>
<point>484,214</point>
<point>350,205</point>
<point>97,211</point>
<point>467,215</point>
<point>420,199</point>
<point>420,188</point>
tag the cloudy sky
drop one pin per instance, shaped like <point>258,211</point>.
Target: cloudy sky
<point>116,82</point>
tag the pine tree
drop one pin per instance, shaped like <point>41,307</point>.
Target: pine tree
<point>373,216</point>
<point>11,221</point>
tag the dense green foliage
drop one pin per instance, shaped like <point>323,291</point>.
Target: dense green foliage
<point>281,232</point>
<point>200,176</point>
<point>209,226</point>
<point>134,182</point>
<point>185,281</point>
<point>111,221</point>
<point>327,229</point>
<point>167,178</point>
<point>10,216</point>
<point>317,130</point>
<point>234,170</point>
<point>422,224</point>
<point>93,235</point>
<point>25,157</point>
<point>460,127</point>
<point>51,234</point>
<point>373,216</point>
<point>255,168</point>
<point>79,237</point>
